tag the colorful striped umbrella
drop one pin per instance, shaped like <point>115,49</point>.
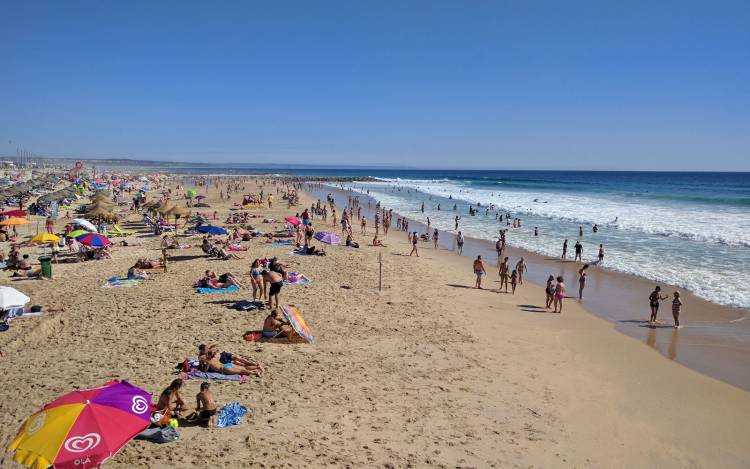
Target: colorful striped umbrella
<point>292,314</point>
<point>327,237</point>
<point>94,240</point>
<point>83,429</point>
<point>77,233</point>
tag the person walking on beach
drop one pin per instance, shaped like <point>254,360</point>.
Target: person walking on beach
<point>653,300</point>
<point>601,253</point>
<point>479,271</point>
<point>549,290</point>
<point>521,268</point>
<point>582,281</point>
<point>460,243</point>
<point>559,295</point>
<point>513,281</point>
<point>565,250</point>
<point>579,251</point>
<point>499,248</point>
<point>503,272</point>
<point>676,309</point>
<point>414,241</point>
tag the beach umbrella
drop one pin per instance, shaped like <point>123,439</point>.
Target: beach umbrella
<point>210,229</point>
<point>327,237</point>
<point>85,224</point>
<point>45,238</point>
<point>14,213</point>
<point>293,220</point>
<point>14,221</point>
<point>99,212</point>
<point>77,233</point>
<point>12,298</point>
<point>84,428</point>
<point>93,240</point>
<point>292,314</point>
<point>191,193</point>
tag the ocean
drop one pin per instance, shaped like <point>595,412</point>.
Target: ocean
<point>687,229</point>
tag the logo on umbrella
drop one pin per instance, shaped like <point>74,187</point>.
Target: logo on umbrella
<point>37,423</point>
<point>140,405</point>
<point>79,444</point>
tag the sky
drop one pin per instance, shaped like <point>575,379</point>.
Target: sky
<point>432,84</point>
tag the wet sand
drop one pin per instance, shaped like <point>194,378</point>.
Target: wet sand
<point>714,339</point>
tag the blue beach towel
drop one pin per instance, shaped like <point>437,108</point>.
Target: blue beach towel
<point>230,414</point>
<point>282,243</point>
<point>229,289</point>
<point>212,376</point>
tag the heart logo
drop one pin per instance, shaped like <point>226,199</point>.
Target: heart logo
<point>79,444</point>
<point>140,405</point>
<point>37,423</point>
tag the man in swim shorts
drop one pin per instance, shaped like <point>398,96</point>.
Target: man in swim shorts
<point>276,281</point>
<point>479,271</point>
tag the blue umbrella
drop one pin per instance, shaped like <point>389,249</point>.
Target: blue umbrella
<point>210,229</point>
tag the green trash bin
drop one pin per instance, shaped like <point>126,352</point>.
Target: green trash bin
<point>46,266</point>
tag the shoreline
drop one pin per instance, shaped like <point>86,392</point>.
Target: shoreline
<point>714,339</point>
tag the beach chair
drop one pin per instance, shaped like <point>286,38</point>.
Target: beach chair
<point>117,231</point>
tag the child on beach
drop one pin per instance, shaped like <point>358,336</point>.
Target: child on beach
<point>676,308</point>
<point>513,281</point>
<point>206,405</point>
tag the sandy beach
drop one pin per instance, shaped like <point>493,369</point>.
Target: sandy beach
<point>428,372</point>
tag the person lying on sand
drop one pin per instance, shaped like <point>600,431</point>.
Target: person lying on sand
<point>144,263</point>
<point>225,255</point>
<point>229,368</point>
<point>136,273</point>
<point>274,327</point>
<point>225,357</point>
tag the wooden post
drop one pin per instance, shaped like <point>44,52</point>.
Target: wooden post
<point>380,273</point>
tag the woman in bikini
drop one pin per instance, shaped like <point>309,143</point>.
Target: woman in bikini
<point>549,290</point>
<point>559,295</point>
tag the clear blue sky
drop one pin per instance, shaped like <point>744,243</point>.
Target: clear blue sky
<point>468,84</point>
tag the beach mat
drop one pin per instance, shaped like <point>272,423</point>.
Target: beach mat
<point>116,282</point>
<point>282,243</point>
<point>230,289</point>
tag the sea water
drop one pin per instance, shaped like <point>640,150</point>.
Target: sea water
<point>687,229</point>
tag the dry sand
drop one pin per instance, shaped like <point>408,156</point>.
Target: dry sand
<point>428,372</point>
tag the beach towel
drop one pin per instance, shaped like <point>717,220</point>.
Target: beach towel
<point>282,243</point>
<point>230,289</point>
<point>257,336</point>
<point>300,252</point>
<point>245,305</point>
<point>116,282</point>
<point>230,414</point>
<point>195,374</point>
<point>298,280</point>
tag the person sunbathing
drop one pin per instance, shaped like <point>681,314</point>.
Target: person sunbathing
<point>144,263</point>
<point>224,255</point>
<point>226,357</point>
<point>137,274</point>
<point>229,368</point>
<point>168,397</point>
<point>377,242</point>
<point>294,277</point>
<point>274,327</point>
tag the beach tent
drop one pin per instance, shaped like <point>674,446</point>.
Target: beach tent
<point>293,315</point>
<point>12,298</point>
<point>89,425</point>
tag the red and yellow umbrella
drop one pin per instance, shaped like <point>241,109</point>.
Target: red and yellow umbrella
<point>82,429</point>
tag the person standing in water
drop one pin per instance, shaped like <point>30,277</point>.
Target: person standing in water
<point>601,253</point>
<point>653,300</point>
<point>582,281</point>
<point>456,220</point>
<point>565,250</point>
<point>579,251</point>
<point>479,271</point>
<point>580,231</point>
